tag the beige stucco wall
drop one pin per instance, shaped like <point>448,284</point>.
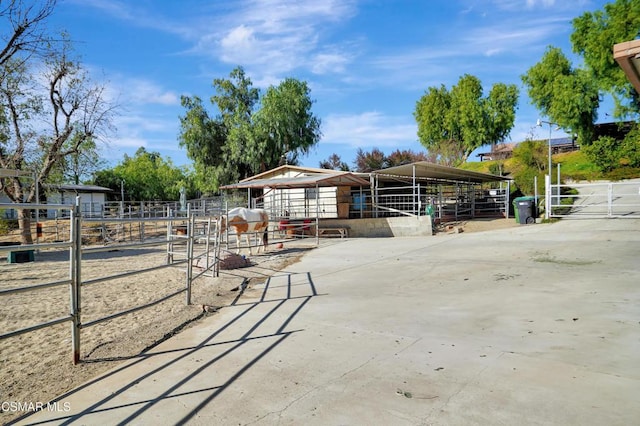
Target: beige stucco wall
<point>383,227</point>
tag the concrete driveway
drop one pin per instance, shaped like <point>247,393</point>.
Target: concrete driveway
<point>538,324</point>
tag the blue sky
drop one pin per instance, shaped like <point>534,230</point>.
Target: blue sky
<point>367,62</point>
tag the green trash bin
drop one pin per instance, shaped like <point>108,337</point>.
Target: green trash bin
<point>525,209</point>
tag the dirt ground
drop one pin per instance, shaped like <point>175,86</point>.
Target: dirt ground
<point>477,225</point>
<point>37,366</point>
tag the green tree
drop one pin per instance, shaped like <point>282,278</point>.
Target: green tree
<point>204,139</point>
<point>604,153</point>
<point>594,34</point>
<point>285,125</point>
<point>529,161</point>
<point>147,176</point>
<point>501,111</point>
<point>567,96</point>
<point>243,140</point>
<point>334,162</point>
<point>221,147</point>
<point>608,153</point>
<point>451,124</point>
<point>108,179</point>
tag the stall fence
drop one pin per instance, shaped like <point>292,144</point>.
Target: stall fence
<point>179,241</point>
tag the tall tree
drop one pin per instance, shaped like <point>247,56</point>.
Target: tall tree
<point>204,139</point>
<point>567,96</point>
<point>407,156</point>
<point>334,162</point>
<point>24,32</point>
<point>369,161</point>
<point>454,123</point>
<point>80,165</point>
<point>594,34</point>
<point>285,124</point>
<point>501,111</point>
<point>243,140</point>
<point>220,146</point>
<point>41,83</point>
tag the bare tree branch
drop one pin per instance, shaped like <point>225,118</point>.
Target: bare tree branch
<point>26,32</point>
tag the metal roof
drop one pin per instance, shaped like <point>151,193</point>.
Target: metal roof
<point>437,172</point>
<point>78,188</point>
<point>14,173</point>
<point>324,180</point>
<point>299,170</point>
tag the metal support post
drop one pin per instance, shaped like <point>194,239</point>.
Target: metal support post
<point>75,257</point>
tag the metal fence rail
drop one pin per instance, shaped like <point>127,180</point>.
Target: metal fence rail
<point>72,281</point>
<point>180,232</point>
<point>595,200</point>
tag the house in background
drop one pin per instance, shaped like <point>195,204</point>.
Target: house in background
<point>498,152</point>
<point>505,151</point>
<point>92,198</point>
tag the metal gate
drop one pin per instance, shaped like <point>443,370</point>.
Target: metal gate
<point>595,200</point>
<point>179,248</point>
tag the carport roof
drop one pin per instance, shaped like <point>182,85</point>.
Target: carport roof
<point>321,180</point>
<point>14,173</point>
<point>427,170</point>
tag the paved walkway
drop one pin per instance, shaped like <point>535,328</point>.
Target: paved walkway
<point>537,324</point>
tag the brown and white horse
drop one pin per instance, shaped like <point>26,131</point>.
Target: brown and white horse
<point>245,221</point>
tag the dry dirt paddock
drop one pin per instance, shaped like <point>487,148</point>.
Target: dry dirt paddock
<point>37,366</point>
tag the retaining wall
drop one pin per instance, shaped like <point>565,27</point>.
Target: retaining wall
<point>383,227</point>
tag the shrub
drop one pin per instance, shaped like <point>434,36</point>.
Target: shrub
<point>609,154</point>
<point>7,225</point>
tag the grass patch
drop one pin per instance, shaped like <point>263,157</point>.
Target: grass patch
<point>576,166</point>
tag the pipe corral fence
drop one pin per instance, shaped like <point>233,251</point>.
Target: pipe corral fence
<point>173,236</point>
<point>315,210</point>
<point>190,242</point>
<point>190,235</point>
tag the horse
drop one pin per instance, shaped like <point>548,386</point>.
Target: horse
<point>245,221</point>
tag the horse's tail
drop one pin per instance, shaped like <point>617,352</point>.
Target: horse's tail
<point>265,237</point>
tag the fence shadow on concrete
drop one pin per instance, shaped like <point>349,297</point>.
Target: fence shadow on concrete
<point>262,315</point>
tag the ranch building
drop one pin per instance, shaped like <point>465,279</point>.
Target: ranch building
<point>92,198</point>
<point>401,200</point>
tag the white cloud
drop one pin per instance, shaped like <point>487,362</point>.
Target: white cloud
<point>324,63</point>
<point>144,92</point>
<point>489,47</point>
<point>275,36</point>
<point>368,129</point>
<point>513,37</point>
<point>240,39</point>
<point>136,128</point>
<point>544,3</point>
<point>137,14</point>
<point>278,36</point>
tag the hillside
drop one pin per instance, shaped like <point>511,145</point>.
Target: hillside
<point>574,166</point>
